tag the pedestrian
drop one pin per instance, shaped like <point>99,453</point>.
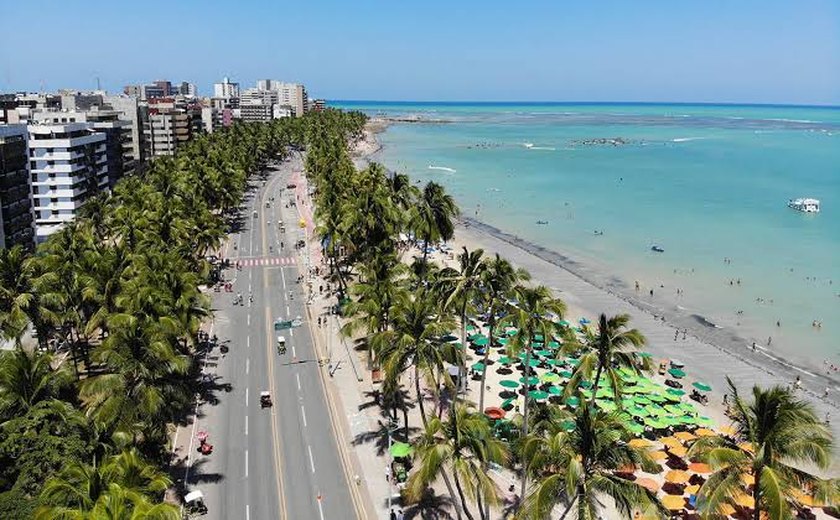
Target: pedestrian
<point>685,331</point>
<point>393,515</point>
<point>400,515</point>
<point>387,473</point>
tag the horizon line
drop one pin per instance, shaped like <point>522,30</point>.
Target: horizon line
<point>650,103</point>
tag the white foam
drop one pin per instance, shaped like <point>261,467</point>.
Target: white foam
<point>442,168</point>
<point>686,139</point>
<point>550,148</point>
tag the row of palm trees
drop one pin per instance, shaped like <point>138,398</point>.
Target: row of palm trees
<point>399,313</point>
<point>115,302</point>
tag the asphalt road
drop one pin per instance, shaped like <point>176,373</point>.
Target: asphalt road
<point>278,462</point>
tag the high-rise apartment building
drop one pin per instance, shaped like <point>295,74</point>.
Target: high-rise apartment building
<point>16,222</point>
<point>168,123</point>
<point>187,89</point>
<point>226,89</point>
<point>257,105</point>
<point>291,94</point>
<point>129,111</point>
<point>68,165</point>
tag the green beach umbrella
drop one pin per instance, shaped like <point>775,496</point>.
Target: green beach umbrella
<point>573,400</point>
<point>538,394</point>
<point>670,397</point>
<point>703,387</point>
<point>508,402</point>
<point>511,332</point>
<point>505,360</point>
<point>400,449</point>
<point>675,410</point>
<point>550,377</point>
<point>655,423</point>
<point>567,425</point>
<point>554,362</point>
<point>478,367</point>
<point>509,383</point>
<point>704,421</point>
<point>675,391</point>
<point>533,362</point>
<point>473,337</point>
<point>607,406</point>
<point>539,337</point>
<point>585,384</point>
<point>657,398</point>
<point>635,428</point>
<point>481,341</point>
<point>553,344</point>
<point>640,399</point>
<point>573,361</point>
<point>644,354</point>
<point>676,372</point>
<point>555,390</point>
<point>544,353</point>
<point>638,411</point>
<point>687,408</point>
<point>502,341</point>
<point>531,380</point>
<point>565,374</point>
<point>564,323</point>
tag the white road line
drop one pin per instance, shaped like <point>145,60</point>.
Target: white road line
<point>303,414</point>
<point>246,463</point>
<point>283,279</point>
<point>287,310</point>
<point>247,512</point>
<point>294,354</point>
<point>249,317</point>
<point>311,460</point>
<point>247,365</point>
<point>248,342</point>
<point>320,507</point>
<point>246,396</point>
<point>246,425</point>
<point>297,376</point>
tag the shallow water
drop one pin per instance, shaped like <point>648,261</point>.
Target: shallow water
<point>703,182</point>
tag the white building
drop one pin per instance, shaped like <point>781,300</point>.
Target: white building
<point>68,163</point>
<point>290,94</point>
<point>225,89</point>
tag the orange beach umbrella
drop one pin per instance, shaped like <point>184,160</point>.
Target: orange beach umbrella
<point>649,484</point>
<point>699,467</point>
<point>673,502</point>
<point>677,476</point>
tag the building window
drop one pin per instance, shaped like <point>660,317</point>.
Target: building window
<point>54,212</point>
<point>54,200</point>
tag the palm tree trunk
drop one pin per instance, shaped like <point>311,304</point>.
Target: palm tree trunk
<point>595,384</point>
<point>569,507</point>
<point>485,511</point>
<point>461,495</point>
<point>425,255</point>
<point>419,401</point>
<point>525,418</point>
<point>757,492</point>
<point>451,494</point>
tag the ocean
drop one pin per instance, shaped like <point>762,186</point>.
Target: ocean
<point>603,183</point>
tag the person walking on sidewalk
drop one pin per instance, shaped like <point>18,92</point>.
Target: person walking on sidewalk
<point>393,515</point>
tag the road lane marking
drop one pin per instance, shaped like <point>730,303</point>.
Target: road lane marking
<point>297,376</point>
<point>287,310</point>
<point>294,354</point>
<point>283,279</point>
<point>246,396</point>
<point>275,445</point>
<point>311,460</point>
<point>247,512</point>
<point>246,425</point>
<point>320,507</point>
<point>248,342</point>
<point>249,316</point>
<point>246,462</point>
<point>303,414</point>
<point>247,366</point>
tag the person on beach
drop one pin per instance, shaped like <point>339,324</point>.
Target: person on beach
<point>797,384</point>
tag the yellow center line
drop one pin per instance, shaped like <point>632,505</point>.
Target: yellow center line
<point>275,437</point>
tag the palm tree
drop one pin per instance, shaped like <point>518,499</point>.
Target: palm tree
<point>498,281</point>
<point>16,292</point>
<point>462,445</point>
<point>608,352</point>
<point>27,378</point>
<point>776,434</point>
<point>466,289</point>
<point>80,488</point>
<point>536,312</point>
<point>434,218</point>
<point>577,468</point>
<point>413,343</point>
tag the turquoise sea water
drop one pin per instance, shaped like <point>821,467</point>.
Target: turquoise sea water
<point>705,182</point>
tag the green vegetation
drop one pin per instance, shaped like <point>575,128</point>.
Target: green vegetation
<point>403,312</point>
<point>115,302</point>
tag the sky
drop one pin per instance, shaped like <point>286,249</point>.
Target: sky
<point>745,51</point>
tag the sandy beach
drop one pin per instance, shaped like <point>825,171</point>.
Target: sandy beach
<point>710,353</point>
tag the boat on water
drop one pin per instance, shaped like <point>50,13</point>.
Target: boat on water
<point>805,205</point>
<point>657,249</point>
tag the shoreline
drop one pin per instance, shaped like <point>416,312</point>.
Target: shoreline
<point>708,348</point>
